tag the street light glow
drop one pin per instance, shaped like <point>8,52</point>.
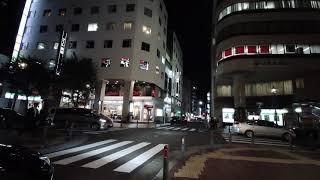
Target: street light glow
<point>23,65</point>
<point>200,102</point>
<point>273,90</point>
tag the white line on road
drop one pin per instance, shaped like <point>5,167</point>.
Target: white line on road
<point>169,128</point>
<point>107,159</point>
<point>77,149</point>
<point>139,160</point>
<point>184,129</point>
<point>192,130</point>
<point>91,153</point>
<point>259,143</point>
<point>161,127</point>
<point>176,129</point>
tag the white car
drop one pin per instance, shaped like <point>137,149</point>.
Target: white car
<point>263,128</point>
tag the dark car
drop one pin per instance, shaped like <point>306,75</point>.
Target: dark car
<point>178,120</point>
<point>9,119</point>
<point>20,163</point>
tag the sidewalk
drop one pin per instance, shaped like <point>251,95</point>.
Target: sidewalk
<point>228,162</point>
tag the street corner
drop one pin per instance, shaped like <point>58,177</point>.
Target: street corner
<point>230,162</point>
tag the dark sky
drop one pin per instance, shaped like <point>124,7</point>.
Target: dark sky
<point>192,22</point>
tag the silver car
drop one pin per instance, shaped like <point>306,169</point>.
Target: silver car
<point>263,128</point>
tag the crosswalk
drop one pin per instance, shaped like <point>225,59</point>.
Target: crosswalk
<point>176,128</point>
<point>138,154</point>
<point>257,141</point>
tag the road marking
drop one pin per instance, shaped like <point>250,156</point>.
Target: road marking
<point>192,130</point>
<point>169,128</point>
<point>139,160</point>
<point>112,157</point>
<point>161,127</point>
<point>176,129</point>
<point>184,129</point>
<point>91,153</point>
<point>77,149</point>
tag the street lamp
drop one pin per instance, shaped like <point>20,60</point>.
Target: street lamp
<point>200,102</point>
<point>274,92</point>
<point>22,65</point>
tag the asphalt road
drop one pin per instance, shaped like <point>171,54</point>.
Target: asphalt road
<point>125,154</point>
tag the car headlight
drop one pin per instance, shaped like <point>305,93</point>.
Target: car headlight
<point>102,120</point>
<point>45,159</point>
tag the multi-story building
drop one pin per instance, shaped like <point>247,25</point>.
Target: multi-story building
<point>187,96</point>
<point>267,56</point>
<point>126,39</point>
<point>194,99</point>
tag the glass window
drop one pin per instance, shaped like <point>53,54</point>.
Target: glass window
<point>47,12</point>
<point>300,83</point>
<point>252,49</point>
<point>108,43</point>
<point>62,12</point>
<point>112,9</point>
<point>93,27</point>
<point>105,62</point>
<point>77,11</point>
<point>89,44</point>
<point>130,7</point>
<point>127,26</point>
<point>315,49</point>
<point>157,70</point>
<point>146,29</point>
<point>158,53</point>
<point>55,45</point>
<point>145,46</point>
<point>239,50</point>
<point>228,52</point>
<point>43,28</point>
<point>264,49</point>
<point>111,26</point>
<point>41,45</point>
<point>303,49</point>
<point>72,45</point>
<point>95,10</point>
<point>59,28</point>
<point>144,65</point>
<point>224,91</point>
<point>160,21</point>
<point>290,48</point>
<point>75,27</point>
<point>148,12</point>
<point>126,43</point>
<point>125,62</point>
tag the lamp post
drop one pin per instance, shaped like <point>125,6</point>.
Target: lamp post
<point>274,92</point>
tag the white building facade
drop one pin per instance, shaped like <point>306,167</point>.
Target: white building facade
<point>126,39</point>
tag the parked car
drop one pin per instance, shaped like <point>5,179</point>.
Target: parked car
<point>178,120</point>
<point>79,117</point>
<point>263,128</point>
<point>17,163</point>
<point>9,119</point>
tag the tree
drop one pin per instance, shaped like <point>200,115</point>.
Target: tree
<point>78,77</point>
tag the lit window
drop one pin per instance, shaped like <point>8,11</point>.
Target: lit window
<point>147,30</point>
<point>239,50</point>
<point>252,49</point>
<point>303,49</point>
<point>111,26</point>
<point>125,62</point>
<point>264,49</point>
<point>93,27</point>
<point>47,12</point>
<point>62,12</point>
<point>315,49</point>
<point>105,62</point>
<point>127,26</point>
<point>163,60</point>
<point>41,45</point>
<point>157,70</point>
<point>144,65</point>
<point>228,52</point>
<point>55,45</point>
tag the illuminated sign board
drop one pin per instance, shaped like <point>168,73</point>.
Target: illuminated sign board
<point>61,51</point>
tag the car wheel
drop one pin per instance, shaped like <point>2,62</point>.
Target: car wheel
<point>249,134</point>
<point>286,136</point>
<point>95,126</point>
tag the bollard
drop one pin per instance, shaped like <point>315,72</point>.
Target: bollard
<point>70,130</point>
<point>165,163</point>
<point>230,136</point>
<point>137,124</point>
<point>252,139</point>
<point>183,147</point>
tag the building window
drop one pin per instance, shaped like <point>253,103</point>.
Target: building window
<point>77,11</point>
<point>145,46</point>
<point>239,50</point>
<point>108,43</point>
<point>59,28</point>
<point>126,43</point>
<point>252,49</point>
<point>148,12</point>
<point>75,27</point>
<point>144,65</point>
<point>43,28</point>
<point>161,7</point>
<point>164,45</point>
<point>62,12</point>
<point>105,62</point>
<point>224,91</point>
<point>111,26</point>
<point>93,27</point>
<point>264,49</point>
<point>47,12</point>
<point>159,36</point>
<point>55,45</point>
<point>41,45</point>
<point>130,7</point>
<point>146,29</point>
<point>95,10</point>
<point>157,70</point>
<point>303,49</point>
<point>158,53</point>
<point>290,48</point>
<point>127,26</point>
<point>112,9</point>
<point>160,21</point>
<point>125,62</point>
<point>299,83</point>
<point>72,45</point>
<point>315,49</point>
<point>89,44</point>
<point>228,52</point>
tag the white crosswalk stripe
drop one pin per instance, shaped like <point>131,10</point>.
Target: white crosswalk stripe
<point>138,153</point>
<point>258,141</point>
<point>91,153</point>
<point>170,128</point>
<point>192,130</point>
<point>139,160</point>
<point>184,129</point>
<point>77,149</point>
<point>176,129</point>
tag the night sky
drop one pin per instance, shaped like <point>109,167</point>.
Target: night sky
<point>192,22</point>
